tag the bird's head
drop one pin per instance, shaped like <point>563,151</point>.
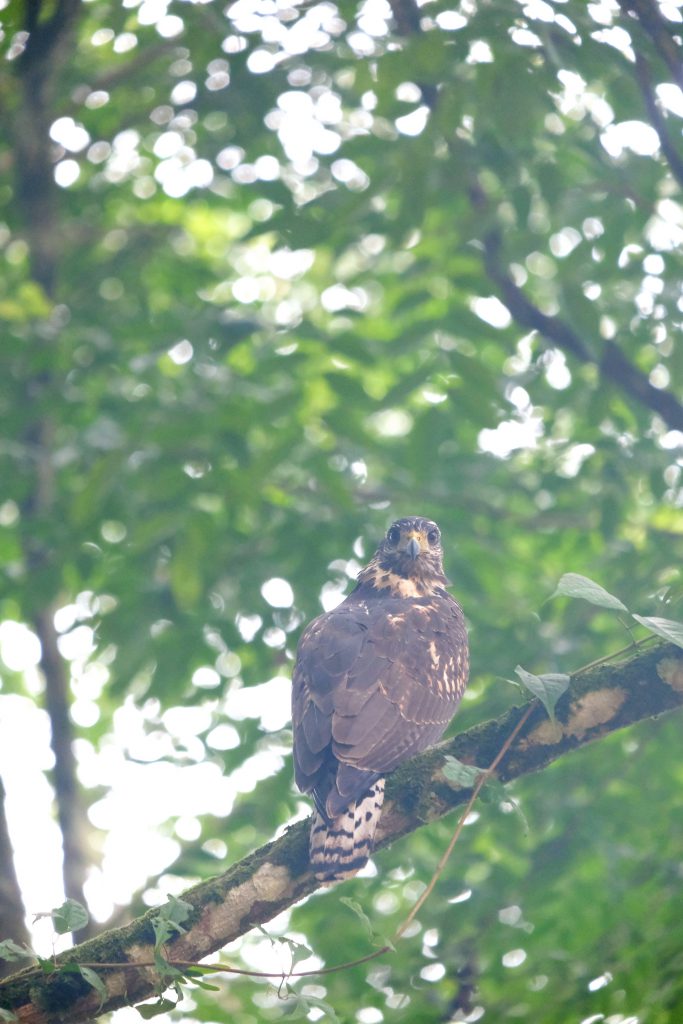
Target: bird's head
<point>409,559</point>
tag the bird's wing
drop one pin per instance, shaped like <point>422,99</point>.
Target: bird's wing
<point>423,647</point>
<point>376,682</point>
<point>328,650</point>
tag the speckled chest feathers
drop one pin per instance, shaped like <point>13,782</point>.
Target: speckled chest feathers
<point>376,681</point>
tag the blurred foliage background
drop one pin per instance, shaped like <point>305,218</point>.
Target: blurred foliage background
<point>274,273</point>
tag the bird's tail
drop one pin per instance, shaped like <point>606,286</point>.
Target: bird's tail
<point>340,847</point>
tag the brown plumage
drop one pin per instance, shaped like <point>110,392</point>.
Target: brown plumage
<point>376,681</point>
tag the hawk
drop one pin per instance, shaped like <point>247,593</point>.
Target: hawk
<point>376,681</point>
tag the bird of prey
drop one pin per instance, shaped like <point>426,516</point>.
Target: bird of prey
<point>376,681</point>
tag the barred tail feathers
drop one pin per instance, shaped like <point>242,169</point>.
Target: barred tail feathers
<point>341,847</point>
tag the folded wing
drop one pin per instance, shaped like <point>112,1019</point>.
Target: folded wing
<point>375,683</point>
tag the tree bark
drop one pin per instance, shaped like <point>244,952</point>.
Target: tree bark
<point>50,30</point>
<point>12,912</point>
<point>603,698</point>
<point>70,811</point>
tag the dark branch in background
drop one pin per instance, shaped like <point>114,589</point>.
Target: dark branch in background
<point>523,309</point>
<point>140,62</point>
<point>613,365</point>
<point>657,119</point>
<point>407,23</point>
<point>602,699</point>
<point>466,978</point>
<point>406,17</point>
<point>47,45</point>
<point>661,33</point>
<point>50,32</point>
<point>72,820</point>
<point>12,913</point>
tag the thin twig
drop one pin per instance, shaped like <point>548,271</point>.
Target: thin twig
<point>481,781</point>
<point>634,645</point>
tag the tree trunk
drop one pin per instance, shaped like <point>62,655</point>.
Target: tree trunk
<point>12,913</point>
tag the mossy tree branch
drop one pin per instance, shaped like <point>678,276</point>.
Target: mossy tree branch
<point>647,681</point>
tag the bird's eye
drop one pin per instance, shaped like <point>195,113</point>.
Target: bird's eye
<point>394,535</point>
<point>433,537</point>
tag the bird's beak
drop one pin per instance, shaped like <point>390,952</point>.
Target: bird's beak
<point>413,548</point>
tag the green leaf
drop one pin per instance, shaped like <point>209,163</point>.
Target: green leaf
<point>355,906</point>
<point>94,980</point>
<point>188,556</point>
<point>320,1004</point>
<point>264,933</point>
<point>462,775</point>
<point>375,938</point>
<point>298,951</point>
<point>10,951</point>
<point>572,584</point>
<point>70,917</point>
<point>298,1007</point>
<point>667,628</point>
<point>167,923</point>
<point>197,971</point>
<point>149,1010</point>
<point>7,1015</point>
<point>169,919</point>
<point>168,973</point>
<point>494,792</point>
<point>548,688</point>
<point>200,983</point>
